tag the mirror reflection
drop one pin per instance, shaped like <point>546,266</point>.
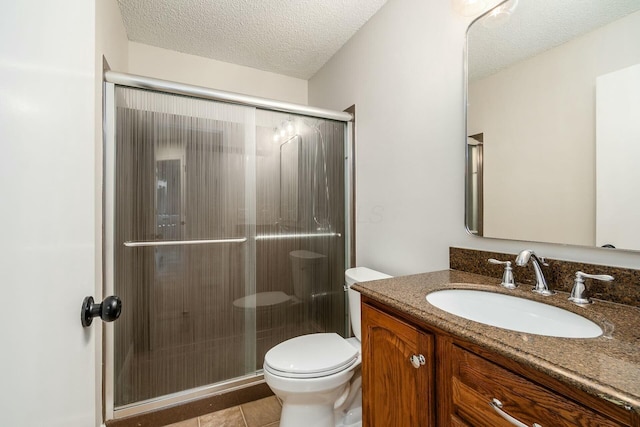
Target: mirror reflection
<point>552,123</point>
<point>289,166</point>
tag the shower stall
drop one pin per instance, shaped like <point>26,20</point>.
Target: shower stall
<point>226,232</point>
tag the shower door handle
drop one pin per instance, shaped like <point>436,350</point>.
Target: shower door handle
<point>108,310</point>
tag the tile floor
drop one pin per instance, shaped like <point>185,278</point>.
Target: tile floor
<point>260,413</point>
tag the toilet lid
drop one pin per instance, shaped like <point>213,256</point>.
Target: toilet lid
<point>311,356</point>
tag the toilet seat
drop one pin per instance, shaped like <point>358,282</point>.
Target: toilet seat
<point>261,300</point>
<point>311,356</point>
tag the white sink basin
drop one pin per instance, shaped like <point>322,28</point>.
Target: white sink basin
<point>513,313</point>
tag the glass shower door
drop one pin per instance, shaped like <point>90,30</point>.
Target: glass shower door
<point>300,237</point>
<point>184,244</point>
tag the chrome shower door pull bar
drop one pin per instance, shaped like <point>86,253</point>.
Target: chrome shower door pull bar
<point>183,242</point>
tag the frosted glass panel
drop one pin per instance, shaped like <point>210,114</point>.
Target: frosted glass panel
<point>180,177</point>
<point>300,225</point>
<point>229,239</point>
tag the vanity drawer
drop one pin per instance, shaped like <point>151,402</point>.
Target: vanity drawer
<point>476,382</point>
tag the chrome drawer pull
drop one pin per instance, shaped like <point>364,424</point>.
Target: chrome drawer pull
<point>417,361</point>
<point>497,406</point>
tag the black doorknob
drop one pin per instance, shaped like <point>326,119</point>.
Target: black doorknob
<point>108,310</point>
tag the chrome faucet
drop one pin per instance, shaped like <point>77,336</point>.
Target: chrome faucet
<point>578,293</point>
<point>507,276</point>
<point>541,284</point>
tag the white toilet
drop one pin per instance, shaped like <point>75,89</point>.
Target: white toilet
<point>313,375</point>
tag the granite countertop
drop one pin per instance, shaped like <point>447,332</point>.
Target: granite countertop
<point>605,367</point>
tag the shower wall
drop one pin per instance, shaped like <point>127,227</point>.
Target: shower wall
<point>225,242</point>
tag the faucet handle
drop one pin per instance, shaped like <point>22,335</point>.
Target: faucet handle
<point>579,289</point>
<point>507,276</point>
<point>603,277</point>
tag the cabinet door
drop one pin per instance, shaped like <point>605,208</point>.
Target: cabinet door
<point>486,394</point>
<point>395,392</point>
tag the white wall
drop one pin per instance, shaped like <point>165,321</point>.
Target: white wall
<point>166,64</point>
<point>403,70</point>
<point>534,130</point>
<point>48,193</point>
<point>111,38</point>
<point>111,44</point>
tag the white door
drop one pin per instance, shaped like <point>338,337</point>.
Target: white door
<point>48,197</point>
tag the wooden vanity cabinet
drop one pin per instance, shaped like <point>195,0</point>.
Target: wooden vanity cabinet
<point>396,393</point>
<point>481,390</point>
<point>459,382</point>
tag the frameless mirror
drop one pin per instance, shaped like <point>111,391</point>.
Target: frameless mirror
<point>553,123</point>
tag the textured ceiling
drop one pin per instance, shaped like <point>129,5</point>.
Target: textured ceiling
<point>290,37</point>
<point>536,26</point>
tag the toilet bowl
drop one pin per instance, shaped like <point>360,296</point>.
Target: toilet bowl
<point>317,376</point>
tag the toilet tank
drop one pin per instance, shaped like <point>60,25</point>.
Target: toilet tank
<point>310,273</point>
<point>358,275</point>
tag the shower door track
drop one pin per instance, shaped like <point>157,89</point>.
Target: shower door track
<point>140,82</point>
<point>113,78</point>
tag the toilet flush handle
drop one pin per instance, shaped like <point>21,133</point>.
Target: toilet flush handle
<point>417,360</point>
